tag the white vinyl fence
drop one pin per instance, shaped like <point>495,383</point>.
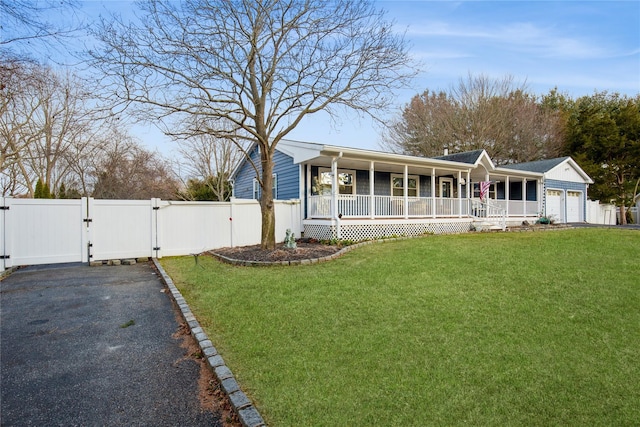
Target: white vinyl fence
<point>40,231</point>
<point>600,213</point>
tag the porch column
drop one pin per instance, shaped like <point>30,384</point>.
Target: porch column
<point>524,197</point>
<point>406,192</point>
<point>334,194</point>
<point>304,192</point>
<point>506,195</point>
<point>372,201</point>
<point>459,194</point>
<point>469,189</point>
<point>433,192</point>
<point>487,178</point>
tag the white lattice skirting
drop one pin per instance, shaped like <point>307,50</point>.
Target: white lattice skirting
<point>359,231</point>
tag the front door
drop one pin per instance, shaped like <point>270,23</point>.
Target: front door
<point>446,187</point>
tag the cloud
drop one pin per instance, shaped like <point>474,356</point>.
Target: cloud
<point>525,37</point>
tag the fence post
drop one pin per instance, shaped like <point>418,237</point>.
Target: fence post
<point>2,234</point>
<point>85,253</point>
<point>156,227</point>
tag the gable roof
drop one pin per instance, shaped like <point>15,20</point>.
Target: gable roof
<point>547,165</point>
<point>540,166</point>
<point>470,157</point>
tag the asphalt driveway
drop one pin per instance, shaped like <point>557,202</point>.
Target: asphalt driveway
<point>93,346</point>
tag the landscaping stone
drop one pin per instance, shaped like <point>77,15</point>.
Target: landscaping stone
<point>239,400</point>
<point>208,350</point>
<point>223,372</point>
<point>115,262</point>
<point>129,261</point>
<point>249,417</point>
<point>230,385</point>
<point>216,361</point>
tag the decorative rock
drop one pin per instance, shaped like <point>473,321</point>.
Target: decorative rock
<point>115,262</point>
<point>216,361</point>
<point>250,417</point>
<point>129,261</point>
<point>230,385</point>
<point>223,372</point>
<point>239,400</point>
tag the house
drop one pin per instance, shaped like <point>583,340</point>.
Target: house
<point>357,194</point>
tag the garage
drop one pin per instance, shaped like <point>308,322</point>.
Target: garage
<point>574,203</point>
<point>554,205</point>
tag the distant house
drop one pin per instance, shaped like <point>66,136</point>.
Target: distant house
<point>358,194</point>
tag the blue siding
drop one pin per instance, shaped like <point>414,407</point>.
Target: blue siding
<point>425,186</point>
<point>382,184</point>
<point>287,173</point>
<point>532,191</point>
<point>243,186</point>
<point>362,182</point>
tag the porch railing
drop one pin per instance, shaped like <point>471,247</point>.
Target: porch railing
<point>491,212</point>
<point>360,206</point>
<point>518,207</point>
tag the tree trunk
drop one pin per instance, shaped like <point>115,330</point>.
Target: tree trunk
<point>268,240</point>
<point>623,214</point>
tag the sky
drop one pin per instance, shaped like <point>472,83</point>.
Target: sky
<point>577,46</point>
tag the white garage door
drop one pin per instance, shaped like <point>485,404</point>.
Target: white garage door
<point>554,205</point>
<point>574,202</point>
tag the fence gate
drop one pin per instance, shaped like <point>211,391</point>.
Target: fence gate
<point>37,231</point>
<point>121,228</point>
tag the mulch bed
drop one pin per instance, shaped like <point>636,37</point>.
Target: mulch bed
<point>304,250</point>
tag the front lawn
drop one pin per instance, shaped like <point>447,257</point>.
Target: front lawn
<point>538,328</point>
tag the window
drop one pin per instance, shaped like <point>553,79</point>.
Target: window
<point>256,189</point>
<point>346,182</point>
<point>492,190</point>
<point>397,185</point>
<point>274,190</point>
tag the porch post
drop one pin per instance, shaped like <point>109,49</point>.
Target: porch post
<point>487,178</point>
<point>459,186</point>
<point>506,195</point>
<point>334,194</point>
<point>433,192</point>
<point>303,191</point>
<point>524,197</point>
<point>406,192</point>
<point>372,201</point>
<point>468,187</point>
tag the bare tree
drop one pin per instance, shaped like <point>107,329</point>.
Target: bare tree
<point>479,113</point>
<point>210,160</point>
<point>43,114</point>
<point>262,66</point>
<point>49,23</point>
<point>125,170</point>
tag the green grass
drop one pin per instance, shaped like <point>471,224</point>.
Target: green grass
<point>482,329</point>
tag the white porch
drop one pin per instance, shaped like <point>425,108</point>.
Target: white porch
<point>351,206</point>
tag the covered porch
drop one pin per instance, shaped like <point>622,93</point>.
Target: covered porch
<point>369,194</point>
<point>341,187</point>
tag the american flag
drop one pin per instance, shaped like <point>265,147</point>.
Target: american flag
<point>484,189</point>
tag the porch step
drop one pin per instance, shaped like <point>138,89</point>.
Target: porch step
<point>486,226</point>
